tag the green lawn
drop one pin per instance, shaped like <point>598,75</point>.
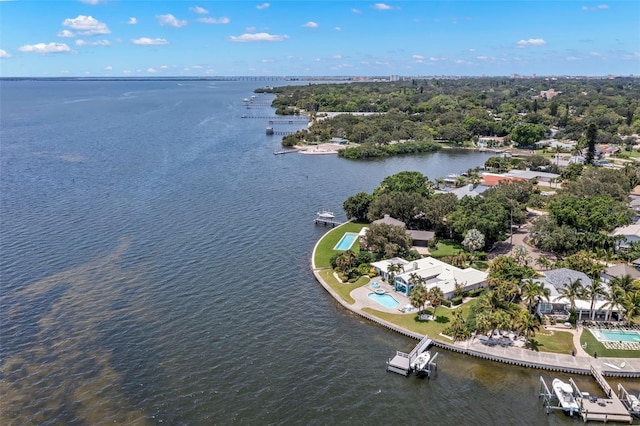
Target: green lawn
<point>343,289</point>
<point>593,345</point>
<point>411,322</point>
<point>328,242</point>
<point>446,248</point>
<point>558,342</point>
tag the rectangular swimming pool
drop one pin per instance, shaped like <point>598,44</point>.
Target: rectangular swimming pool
<point>616,336</point>
<point>346,241</point>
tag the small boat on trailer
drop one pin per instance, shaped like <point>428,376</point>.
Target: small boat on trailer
<point>564,392</point>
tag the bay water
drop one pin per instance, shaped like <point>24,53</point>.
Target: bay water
<point>155,268</point>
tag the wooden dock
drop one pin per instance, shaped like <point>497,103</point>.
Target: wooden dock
<point>326,222</point>
<point>609,409</point>
<point>592,408</point>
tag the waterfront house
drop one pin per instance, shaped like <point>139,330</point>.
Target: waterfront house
<point>418,238</point>
<point>619,270</point>
<point>434,273</point>
<point>628,234</point>
<point>558,307</point>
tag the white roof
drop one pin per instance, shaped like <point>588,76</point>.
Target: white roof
<point>442,275</point>
<point>628,231</point>
<point>384,264</point>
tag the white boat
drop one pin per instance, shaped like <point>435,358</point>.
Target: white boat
<point>564,392</point>
<point>421,361</point>
<point>633,404</point>
<point>325,215</point>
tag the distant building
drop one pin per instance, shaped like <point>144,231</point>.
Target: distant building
<point>629,233</point>
<point>418,238</point>
<point>340,141</point>
<point>549,94</point>
<point>619,271</point>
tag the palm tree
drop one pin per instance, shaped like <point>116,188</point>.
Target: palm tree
<point>531,292</point>
<point>594,291</point>
<point>626,283</point>
<point>572,290</point>
<point>543,262</point>
<point>392,269</point>
<point>435,296</point>
<point>631,304</point>
<point>418,296</point>
<point>527,323</point>
<point>614,299</point>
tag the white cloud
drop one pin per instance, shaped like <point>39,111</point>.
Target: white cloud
<point>267,61</point>
<point>152,70</point>
<point>382,6</point>
<point>170,20</point>
<point>598,7</point>
<point>163,67</point>
<point>92,2</point>
<point>146,41</point>
<point>418,58</point>
<point>86,25</point>
<point>45,48</point>
<point>199,10</point>
<point>250,29</point>
<point>531,42</point>
<point>93,43</point>
<point>108,68</point>
<point>263,6</point>
<point>356,11</point>
<point>198,67</point>
<point>310,24</point>
<point>4,54</point>
<point>66,33</point>
<point>132,21</point>
<point>244,38</point>
<point>209,20</point>
<point>337,28</point>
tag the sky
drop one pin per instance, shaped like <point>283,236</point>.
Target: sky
<point>148,38</point>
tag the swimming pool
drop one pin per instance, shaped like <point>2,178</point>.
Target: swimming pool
<point>346,241</point>
<point>616,336</point>
<point>385,300</point>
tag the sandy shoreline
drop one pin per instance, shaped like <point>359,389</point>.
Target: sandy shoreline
<point>325,148</point>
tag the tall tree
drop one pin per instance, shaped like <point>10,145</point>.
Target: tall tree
<point>357,206</point>
<point>531,292</point>
<point>594,291</point>
<point>592,136</point>
<point>435,296</point>
<point>572,290</point>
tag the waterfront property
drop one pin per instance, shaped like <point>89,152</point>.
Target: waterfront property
<point>558,307</point>
<point>433,273</point>
<point>347,240</point>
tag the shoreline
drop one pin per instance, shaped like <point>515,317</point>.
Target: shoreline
<point>513,356</point>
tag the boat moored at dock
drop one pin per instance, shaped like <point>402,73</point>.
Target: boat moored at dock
<point>566,398</point>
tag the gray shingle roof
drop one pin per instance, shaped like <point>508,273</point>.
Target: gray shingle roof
<point>563,276</point>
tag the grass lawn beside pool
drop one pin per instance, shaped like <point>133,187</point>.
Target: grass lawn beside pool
<point>431,328</point>
<point>325,250</point>
<point>342,289</point>
<point>593,345</point>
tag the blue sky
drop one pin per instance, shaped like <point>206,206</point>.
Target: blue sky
<point>323,38</point>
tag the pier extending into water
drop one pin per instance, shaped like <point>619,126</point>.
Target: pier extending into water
<point>403,363</point>
<point>591,408</point>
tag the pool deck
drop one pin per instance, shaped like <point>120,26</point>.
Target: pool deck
<point>581,363</point>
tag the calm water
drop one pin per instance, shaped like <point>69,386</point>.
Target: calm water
<point>155,269</point>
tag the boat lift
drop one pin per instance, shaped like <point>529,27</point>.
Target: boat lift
<point>629,400</point>
<point>550,399</point>
<point>401,363</point>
